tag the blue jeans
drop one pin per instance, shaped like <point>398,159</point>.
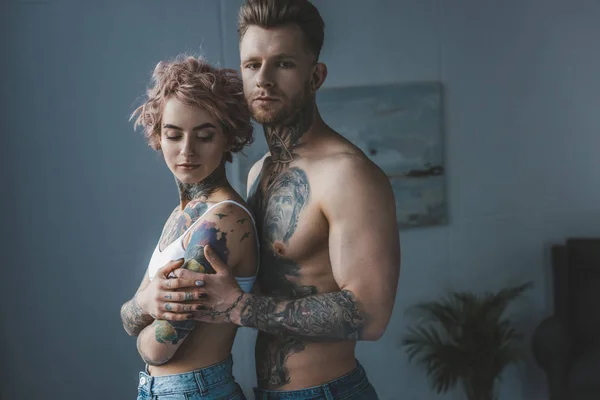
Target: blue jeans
<point>352,386</point>
<point>211,383</point>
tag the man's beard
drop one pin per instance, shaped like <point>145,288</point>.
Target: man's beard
<point>286,113</point>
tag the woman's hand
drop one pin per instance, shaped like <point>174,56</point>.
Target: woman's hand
<point>172,299</point>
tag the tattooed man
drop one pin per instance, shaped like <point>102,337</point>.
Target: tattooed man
<point>330,256</point>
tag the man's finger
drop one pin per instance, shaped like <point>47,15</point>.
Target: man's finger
<point>177,283</point>
<point>180,308</point>
<point>170,267</point>
<point>187,274</point>
<point>176,317</point>
<point>184,296</point>
<point>218,265</point>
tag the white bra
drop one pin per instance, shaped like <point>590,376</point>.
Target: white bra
<point>175,250</point>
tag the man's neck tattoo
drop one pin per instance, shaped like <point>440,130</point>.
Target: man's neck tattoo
<point>192,191</point>
<point>282,139</point>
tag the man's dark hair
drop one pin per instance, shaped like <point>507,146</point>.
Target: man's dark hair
<point>273,13</point>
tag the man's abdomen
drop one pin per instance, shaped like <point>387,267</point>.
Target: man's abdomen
<point>290,363</point>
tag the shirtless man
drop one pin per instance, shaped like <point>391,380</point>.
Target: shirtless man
<point>330,253</point>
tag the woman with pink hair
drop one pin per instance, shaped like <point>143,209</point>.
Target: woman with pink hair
<point>196,116</point>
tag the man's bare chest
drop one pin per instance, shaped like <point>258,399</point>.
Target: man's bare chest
<point>291,229</point>
<point>281,197</point>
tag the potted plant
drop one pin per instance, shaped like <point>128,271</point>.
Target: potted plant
<point>465,339</point>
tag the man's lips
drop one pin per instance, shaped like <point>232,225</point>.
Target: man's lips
<point>265,98</point>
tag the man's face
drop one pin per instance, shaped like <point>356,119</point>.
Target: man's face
<point>277,69</point>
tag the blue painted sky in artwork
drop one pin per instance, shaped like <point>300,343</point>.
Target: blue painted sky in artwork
<point>398,126</point>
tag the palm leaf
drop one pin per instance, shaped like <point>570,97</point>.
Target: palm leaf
<point>425,346</point>
<point>464,338</point>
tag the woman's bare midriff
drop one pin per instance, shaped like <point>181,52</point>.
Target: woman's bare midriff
<point>207,345</point>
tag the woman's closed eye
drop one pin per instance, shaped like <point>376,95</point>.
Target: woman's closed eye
<point>206,138</point>
<point>203,137</point>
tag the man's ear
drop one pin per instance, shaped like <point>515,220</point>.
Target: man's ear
<point>319,74</point>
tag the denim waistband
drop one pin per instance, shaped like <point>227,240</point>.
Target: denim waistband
<point>338,388</point>
<point>199,379</point>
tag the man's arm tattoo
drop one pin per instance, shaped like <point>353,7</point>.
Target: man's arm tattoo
<point>323,316</point>
<point>133,317</point>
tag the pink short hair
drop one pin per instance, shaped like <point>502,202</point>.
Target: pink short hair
<point>195,82</point>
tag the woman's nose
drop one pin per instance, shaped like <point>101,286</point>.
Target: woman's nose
<point>187,150</point>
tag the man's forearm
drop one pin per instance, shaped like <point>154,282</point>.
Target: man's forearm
<point>333,315</point>
<point>134,318</point>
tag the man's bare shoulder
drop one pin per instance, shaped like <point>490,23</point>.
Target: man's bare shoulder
<point>255,171</point>
<point>349,165</point>
<point>346,173</point>
<point>256,167</point>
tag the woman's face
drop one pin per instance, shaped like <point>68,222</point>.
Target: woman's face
<point>192,141</point>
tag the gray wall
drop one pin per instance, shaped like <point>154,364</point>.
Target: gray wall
<point>84,199</point>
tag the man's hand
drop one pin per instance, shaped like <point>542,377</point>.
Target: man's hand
<point>172,299</point>
<point>223,294</point>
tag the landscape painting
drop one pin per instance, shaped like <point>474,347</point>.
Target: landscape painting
<point>400,127</point>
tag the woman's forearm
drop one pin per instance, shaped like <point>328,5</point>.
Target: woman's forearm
<point>134,318</point>
<point>158,342</point>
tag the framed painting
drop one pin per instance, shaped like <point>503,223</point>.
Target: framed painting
<point>400,127</point>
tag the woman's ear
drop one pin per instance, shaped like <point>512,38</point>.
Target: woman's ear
<point>155,142</point>
<point>155,139</point>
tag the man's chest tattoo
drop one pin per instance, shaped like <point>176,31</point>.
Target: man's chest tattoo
<point>278,207</point>
<point>278,199</point>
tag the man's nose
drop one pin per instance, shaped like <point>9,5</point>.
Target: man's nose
<point>265,78</point>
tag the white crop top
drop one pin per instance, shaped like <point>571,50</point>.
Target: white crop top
<point>175,250</point>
